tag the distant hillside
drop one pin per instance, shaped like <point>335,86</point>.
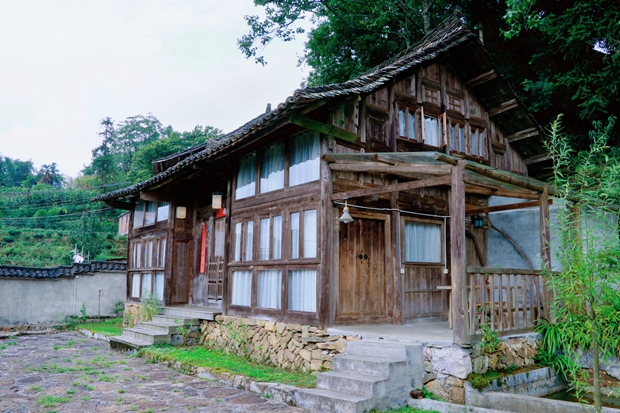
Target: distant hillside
<point>39,226</point>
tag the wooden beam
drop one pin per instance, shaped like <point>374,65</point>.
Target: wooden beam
<point>119,205</point>
<point>460,315</point>
<point>524,134</point>
<point>471,189</point>
<point>538,158</point>
<point>503,107</point>
<point>373,167</point>
<point>154,196</point>
<point>483,78</point>
<point>382,189</point>
<point>506,207</point>
<point>323,128</point>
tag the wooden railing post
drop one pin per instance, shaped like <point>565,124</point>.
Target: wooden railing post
<point>460,314</point>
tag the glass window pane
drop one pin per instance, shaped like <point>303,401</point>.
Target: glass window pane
<point>146,284</point>
<point>237,256</point>
<point>411,125</point>
<point>241,288</point>
<point>305,162</point>
<point>461,139</point>
<point>163,252</point>
<point>263,249</point>
<point>422,242</point>
<point>163,209</point>
<point>302,290</point>
<point>246,177</point>
<point>138,262</point>
<point>431,130</point>
<point>149,218</point>
<point>248,241</point>
<point>453,133</point>
<point>158,286</point>
<point>402,122</point>
<point>272,168</point>
<point>135,285</point>
<point>474,142</point>
<point>295,235</point>
<point>138,214</point>
<point>277,238</point>
<point>269,289</point>
<point>310,234</point>
<point>149,255</point>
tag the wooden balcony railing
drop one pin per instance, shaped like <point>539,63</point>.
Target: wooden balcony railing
<point>505,299</point>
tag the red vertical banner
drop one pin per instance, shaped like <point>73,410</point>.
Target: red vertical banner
<point>203,244</point>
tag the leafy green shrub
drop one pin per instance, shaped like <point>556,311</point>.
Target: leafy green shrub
<point>150,306</point>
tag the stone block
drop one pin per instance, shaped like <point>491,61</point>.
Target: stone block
<point>455,382</point>
<point>280,327</point>
<point>435,388</point>
<point>317,354</point>
<point>326,346</point>
<point>315,365</point>
<point>248,321</point>
<point>289,355</point>
<point>331,338</point>
<point>293,327</point>
<point>315,339</point>
<point>353,338</point>
<point>453,361</point>
<point>428,377</point>
<point>341,345</point>
<point>305,354</point>
<point>270,326</point>
<point>457,395</point>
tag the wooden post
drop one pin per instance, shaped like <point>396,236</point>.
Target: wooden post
<point>326,222</point>
<point>545,246</point>
<point>397,314</point>
<point>458,255</point>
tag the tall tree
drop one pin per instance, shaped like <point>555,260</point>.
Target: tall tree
<point>50,175</point>
<point>105,162</point>
<point>132,133</point>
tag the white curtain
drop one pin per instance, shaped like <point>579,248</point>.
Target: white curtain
<point>310,234</point>
<point>411,125</point>
<point>146,284</point>
<point>246,177</point>
<point>302,290</point>
<point>269,289</point>
<point>149,255</point>
<point>422,242</point>
<point>461,139</point>
<point>150,213</point>
<point>263,248</point>
<point>237,256</point>
<point>138,255</point>
<point>474,142</point>
<point>295,235</point>
<point>135,285</point>
<point>158,286</point>
<point>138,214</point>
<point>277,237</point>
<point>272,168</point>
<point>242,288</point>
<point>305,163</point>
<point>248,241</point>
<point>402,122</point>
<point>431,130</point>
<point>454,147</point>
<point>162,211</point>
<point>163,252</point>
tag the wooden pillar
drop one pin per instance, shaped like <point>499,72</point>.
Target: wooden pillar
<point>458,255</point>
<point>545,245</point>
<point>227,246</point>
<point>397,312</point>
<point>326,222</point>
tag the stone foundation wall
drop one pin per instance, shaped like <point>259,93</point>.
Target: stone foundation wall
<point>288,346</point>
<point>132,314</point>
<point>447,367</point>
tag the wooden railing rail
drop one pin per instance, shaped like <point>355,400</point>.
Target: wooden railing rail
<point>506,299</point>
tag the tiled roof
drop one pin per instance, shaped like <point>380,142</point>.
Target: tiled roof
<point>441,42</point>
<point>61,271</point>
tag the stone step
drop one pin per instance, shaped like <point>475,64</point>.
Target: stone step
<point>351,383</point>
<point>393,350</point>
<point>150,336</point>
<point>160,318</point>
<point>127,343</point>
<point>160,326</point>
<point>199,313</point>
<point>327,401</point>
<point>379,367</point>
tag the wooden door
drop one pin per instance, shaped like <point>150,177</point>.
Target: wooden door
<point>181,256</point>
<point>215,270</point>
<point>421,296</point>
<point>362,271</point>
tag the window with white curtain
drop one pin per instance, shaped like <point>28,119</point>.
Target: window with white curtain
<point>248,240</point>
<point>310,231</point>
<point>263,248</point>
<point>402,122</point>
<point>237,253</point>
<point>272,168</point>
<point>158,285</point>
<point>302,290</point>
<point>454,138</point>
<point>431,130</point>
<point>461,139</point>
<point>474,142</point>
<point>241,288</point>
<point>305,163</point>
<point>295,235</point>
<point>269,289</point>
<point>138,215</point>
<point>246,177</point>
<point>135,285</point>
<point>423,242</point>
<point>163,209</point>
<point>151,210</point>
<point>146,284</point>
<point>406,123</point>
<point>277,237</point>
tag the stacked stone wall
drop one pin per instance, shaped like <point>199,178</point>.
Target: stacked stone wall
<point>284,345</point>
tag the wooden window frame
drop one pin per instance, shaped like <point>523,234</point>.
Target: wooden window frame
<point>156,220</point>
<point>156,265</point>
<point>440,223</point>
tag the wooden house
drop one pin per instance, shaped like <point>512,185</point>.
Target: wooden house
<point>413,149</point>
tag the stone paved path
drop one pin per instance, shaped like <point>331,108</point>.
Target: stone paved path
<point>66,372</point>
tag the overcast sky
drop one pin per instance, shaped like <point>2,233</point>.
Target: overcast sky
<point>68,64</point>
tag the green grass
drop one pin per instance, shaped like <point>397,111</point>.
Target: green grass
<point>404,410</point>
<point>52,401</point>
<point>109,327</point>
<point>221,362</point>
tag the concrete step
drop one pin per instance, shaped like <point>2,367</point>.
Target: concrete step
<point>327,401</point>
<point>379,367</point>
<point>160,326</point>
<point>176,320</point>
<point>127,343</point>
<point>150,336</point>
<point>393,350</point>
<point>199,313</point>
<point>350,383</point>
